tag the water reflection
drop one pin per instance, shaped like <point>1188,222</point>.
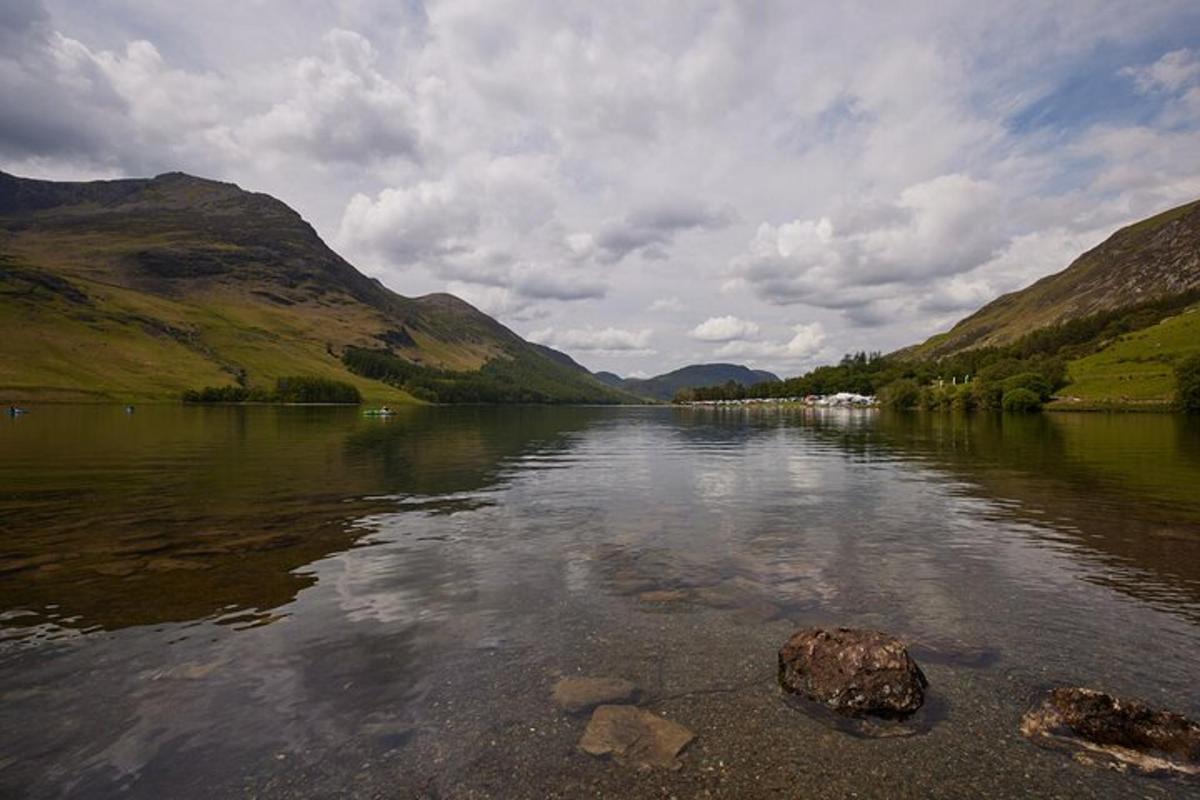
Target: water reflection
<point>206,602</point>
<point>176,514</point>
<point>1119,491</point>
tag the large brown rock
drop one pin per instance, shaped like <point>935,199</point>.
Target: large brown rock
<point>852,671</point>
<point>635,737</point>
<point>1122,734</point>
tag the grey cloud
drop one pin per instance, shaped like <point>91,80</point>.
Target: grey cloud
<point>652,229</point>
<point>21,17</point>
<point>55,101</point>
<point>871,315</point>
<point>559,285</point>
<point>680,216</point>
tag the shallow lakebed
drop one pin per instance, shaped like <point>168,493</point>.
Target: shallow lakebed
<point>303,602</point>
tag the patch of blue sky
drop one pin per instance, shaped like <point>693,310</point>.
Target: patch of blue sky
<point>1096,90</point>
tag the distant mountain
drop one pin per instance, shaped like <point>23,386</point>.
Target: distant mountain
<point>1152,259</point>
<point>560,358</point>
<point>663,387</point>
<point>142,288</point>
<point>609,379</point>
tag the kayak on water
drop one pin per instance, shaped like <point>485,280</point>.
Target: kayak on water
<point>379,412</point>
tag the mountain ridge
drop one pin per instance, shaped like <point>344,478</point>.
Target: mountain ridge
<point>664,387</point>
<point>1153,258</point>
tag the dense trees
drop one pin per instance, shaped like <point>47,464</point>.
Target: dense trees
<point>292,389</point>
<point>315,390</point>
<point>1187,384</point>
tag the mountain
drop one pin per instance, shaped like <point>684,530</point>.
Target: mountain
<point>663,387</point>
<point>1152,259</point>
<point>142,288</point>
<point>609,379</point>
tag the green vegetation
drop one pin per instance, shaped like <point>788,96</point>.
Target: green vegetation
<point>520,379</point>
<point>1136,370</point>
<point>292,389</point>
<point>226,394</point>
<point>1187,378</point>
<point>1021,400</point>
<point>315,390</point>
<point>975,379</point>
<point>903,393</point>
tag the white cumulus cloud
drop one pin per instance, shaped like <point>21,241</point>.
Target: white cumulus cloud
<point>724,329</point>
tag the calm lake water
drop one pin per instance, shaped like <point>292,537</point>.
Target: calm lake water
<point>303,602</point>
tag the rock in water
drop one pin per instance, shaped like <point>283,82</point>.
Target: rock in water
<point>583,694</point>
<point>1121,734</point>
<point>852,671</point>
<point>635,737</point>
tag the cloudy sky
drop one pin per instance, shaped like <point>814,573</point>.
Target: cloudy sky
<point>643,184</point>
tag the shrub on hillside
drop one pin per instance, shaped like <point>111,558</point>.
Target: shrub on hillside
<point>1032,381</point>
<point>1021,400</point>
<point>1187,384</point>
<point>217,394</point>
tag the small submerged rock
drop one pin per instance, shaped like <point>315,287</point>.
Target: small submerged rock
<point>1122,734</point>
<point>577,695</point>
<point>852,671</point>
<point>633,736</point>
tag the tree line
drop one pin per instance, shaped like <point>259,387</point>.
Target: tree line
<point>291,389</point>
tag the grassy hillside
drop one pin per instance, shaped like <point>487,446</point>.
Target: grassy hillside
<point>1157,257</point>
<point>1135,370</point>
<point>86,340</point>
<point>140,289</point>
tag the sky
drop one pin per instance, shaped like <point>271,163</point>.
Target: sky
<point>643,185</point>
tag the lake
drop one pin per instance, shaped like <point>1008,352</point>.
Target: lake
<point>303,602</point>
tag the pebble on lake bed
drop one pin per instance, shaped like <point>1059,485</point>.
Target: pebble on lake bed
<point>635,737</point>
<point>852,671</point>
<point>577,695</point>
<point>1122,734</point>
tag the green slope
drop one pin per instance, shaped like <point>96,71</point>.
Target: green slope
<point>111,343</point>
<point>1134,370</point>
